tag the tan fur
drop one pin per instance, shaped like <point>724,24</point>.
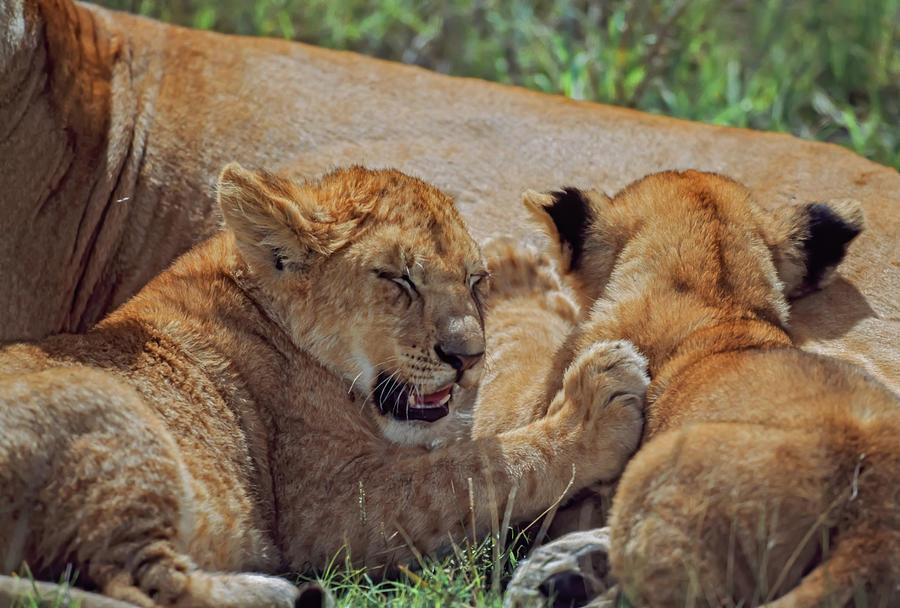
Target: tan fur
<point>118,127</point>
<point>766,472</point>
<point>223,419</point>
<point>529,314</point>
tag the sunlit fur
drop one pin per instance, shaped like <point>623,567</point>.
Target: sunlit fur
<point>221,421</point>
<point>766,474</point>
<point>359,226</point>
<point>530,312</point>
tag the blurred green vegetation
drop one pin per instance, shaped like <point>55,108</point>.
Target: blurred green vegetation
<point>821,69</point>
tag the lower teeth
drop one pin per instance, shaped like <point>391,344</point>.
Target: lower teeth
<point>412,403</point>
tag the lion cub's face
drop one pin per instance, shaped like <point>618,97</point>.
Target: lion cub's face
<point>680,233</point>
<point>374,273</point>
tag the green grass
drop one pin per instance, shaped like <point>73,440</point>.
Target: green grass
<point>60,598</point>
<point>826,70</point>
<point>464,578</point>
<point>471,576</point>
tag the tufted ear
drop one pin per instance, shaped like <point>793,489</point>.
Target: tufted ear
<point>566,215</point>
<point>277,223</point>
<point>808,242</point>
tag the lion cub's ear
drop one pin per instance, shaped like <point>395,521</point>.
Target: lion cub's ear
<point>277,222</point>
<point>809,241</point>
<point>566,215</point>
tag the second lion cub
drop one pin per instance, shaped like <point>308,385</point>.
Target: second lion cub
<point>766,473</point>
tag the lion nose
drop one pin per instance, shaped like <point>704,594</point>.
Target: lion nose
<point>458,361</point>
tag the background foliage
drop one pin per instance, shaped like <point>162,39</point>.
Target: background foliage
<point>821,69</point>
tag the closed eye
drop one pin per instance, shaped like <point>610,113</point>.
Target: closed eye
<point>402,280</point>
<point>475,279</point>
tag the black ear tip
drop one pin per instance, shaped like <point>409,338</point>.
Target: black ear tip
<point>568,198</point>
<point>826,223</point>
<point>567,192</point>
<point>571,213</point>
<point>831,228</point>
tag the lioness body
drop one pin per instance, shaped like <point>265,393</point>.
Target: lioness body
<point>282,393</point>
<point>119,125</point>
<point>765,471</point>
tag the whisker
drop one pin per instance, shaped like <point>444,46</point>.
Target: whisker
<point>387,382</point>
<point>392,358</point>
<point>376,365</point>
<point>391,378</point>
<point>395,381</point>
<point>350,390</point>
<point>368,395</point>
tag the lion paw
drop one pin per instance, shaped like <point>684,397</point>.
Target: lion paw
<point>246,590</point>
<point>605,373</point>
<point>519,269</point>
<point>570,571</point>
<point>602,400</point>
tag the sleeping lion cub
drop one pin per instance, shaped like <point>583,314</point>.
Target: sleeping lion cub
<point>287,388</point>
<point>766,472</point>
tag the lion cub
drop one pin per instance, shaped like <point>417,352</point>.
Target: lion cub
<point>272,397</point>
<point>765,471</point>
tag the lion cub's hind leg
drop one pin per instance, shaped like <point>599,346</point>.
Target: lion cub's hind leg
<point>89,476</point>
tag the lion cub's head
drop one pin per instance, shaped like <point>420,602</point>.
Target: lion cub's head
<point>696,239</point>
<point>375,275</point>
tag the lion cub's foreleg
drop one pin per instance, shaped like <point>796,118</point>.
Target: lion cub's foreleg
<point>90,477</point>
<point>418,500</point>
<point>602,400</point>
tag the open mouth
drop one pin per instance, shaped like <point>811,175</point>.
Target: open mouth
<point>404,403</point>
